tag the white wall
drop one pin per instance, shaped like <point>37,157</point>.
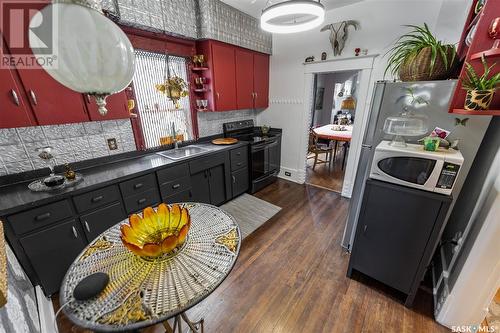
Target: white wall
<point>381,24</point>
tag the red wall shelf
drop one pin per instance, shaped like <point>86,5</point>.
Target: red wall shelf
<point>480,43</point>
<point>476,113</point>
<point>199,69</point>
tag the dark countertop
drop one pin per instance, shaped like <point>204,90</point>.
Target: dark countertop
<point>17,197</point>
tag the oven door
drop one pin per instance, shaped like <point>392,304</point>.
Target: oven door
<point>260,160</point>
<point>413,171</point>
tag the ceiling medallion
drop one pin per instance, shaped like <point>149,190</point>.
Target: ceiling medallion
<point>292,16</point>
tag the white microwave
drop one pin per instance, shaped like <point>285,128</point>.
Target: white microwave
<point>413,166</point>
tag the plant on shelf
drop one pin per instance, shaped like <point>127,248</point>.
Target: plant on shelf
<point>480,89</point>
<point>419,56</point>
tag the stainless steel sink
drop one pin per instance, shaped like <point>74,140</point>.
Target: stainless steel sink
<point>178,154</point>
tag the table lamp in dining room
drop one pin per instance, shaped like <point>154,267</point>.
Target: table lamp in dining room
<point>349,103</point>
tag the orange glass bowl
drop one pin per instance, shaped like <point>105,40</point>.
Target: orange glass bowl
<point>157,232</point>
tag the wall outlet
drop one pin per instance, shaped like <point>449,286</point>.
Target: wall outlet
<point>288,174</point>
<point>112,145</point>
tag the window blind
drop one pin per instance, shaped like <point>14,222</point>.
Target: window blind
<point>156,111</point>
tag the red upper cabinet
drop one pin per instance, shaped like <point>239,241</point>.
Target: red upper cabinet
<point>116,105</point>
<point>224,76</point>
<point>13,109</point>
<point>52,102</point>
<point>237,78</point>
<point>261,80</point>
<point>245,92</point>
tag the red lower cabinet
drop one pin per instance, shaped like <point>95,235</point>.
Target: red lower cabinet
<point>116,105</point>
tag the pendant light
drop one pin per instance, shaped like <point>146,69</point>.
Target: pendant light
<point>292,16</point>
<point>94,55</point>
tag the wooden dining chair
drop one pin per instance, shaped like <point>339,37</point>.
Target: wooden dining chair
<point>315,149</point>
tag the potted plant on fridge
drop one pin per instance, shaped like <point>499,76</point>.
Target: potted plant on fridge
<point>480,89</point>
<point>419,56</point>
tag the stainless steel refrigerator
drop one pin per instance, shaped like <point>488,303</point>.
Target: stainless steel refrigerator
<point>388,99</point>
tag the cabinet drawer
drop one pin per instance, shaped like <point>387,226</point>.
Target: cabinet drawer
<point>172,173</point>
<point>138,185</point>
<point>39,217</point>
<point>97,198</point>
<point>142,200</point>
<point>184,196</point>
<point>176,186</point>
<point>207,162</point>
<point>100,220</point>
<point>239,158</point>
<point>240,181</point>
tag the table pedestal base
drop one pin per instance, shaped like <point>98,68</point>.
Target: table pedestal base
<point>195,327</point>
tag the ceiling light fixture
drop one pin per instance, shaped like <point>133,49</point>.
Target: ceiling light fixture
<point>292,16</point>
<point>94,55</point>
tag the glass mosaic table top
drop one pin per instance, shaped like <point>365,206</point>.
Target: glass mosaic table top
<point>144,291</point>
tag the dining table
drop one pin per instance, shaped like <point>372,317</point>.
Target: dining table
<point>336,133</point>
<point>145,291</point>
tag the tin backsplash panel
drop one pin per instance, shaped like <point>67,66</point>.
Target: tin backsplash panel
<point>210,123</point>
<point>71,142</point>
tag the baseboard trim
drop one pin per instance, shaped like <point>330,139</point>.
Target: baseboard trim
<point>294,175</point>
<point>45,312</point>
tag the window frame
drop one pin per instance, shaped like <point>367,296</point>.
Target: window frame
<point>161,43</point>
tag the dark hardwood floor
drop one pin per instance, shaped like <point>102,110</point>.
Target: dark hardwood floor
<point>290,277</point>
<point>321,176</point>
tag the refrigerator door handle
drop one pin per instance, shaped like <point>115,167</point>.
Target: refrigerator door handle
<point>366,146</point>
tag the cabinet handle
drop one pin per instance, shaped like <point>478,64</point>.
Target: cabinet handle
<point>206,173</point>
<point>75,233</point>
<point>210,173</point>
<point>138,185</point>
<point>141,201</point>
<point>33,97</point>
<point>234,179</point>
<point>238,153</point>
<point>87,96</point>
<point>176,186</point>
<point>256,95</point>
<point>97,199</point>
<point>43,216</point>
<point>364,228</point>
<point>86,226</point>
<point>238,164</point>
<point>218,95</point>
<point>15,97</point>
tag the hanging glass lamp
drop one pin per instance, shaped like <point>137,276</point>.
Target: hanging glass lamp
<point>94,56</point>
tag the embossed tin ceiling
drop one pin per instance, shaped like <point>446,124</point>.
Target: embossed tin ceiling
<point>197,19</point>
<point>255,7</point>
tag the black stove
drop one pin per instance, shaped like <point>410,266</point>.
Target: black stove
<point>245,130</point>
<point>265,151</point>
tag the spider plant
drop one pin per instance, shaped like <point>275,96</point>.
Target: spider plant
<point>473,81</point>
<point>408,47</point>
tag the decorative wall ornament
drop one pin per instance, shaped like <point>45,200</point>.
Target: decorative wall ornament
<point>339,32</point>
